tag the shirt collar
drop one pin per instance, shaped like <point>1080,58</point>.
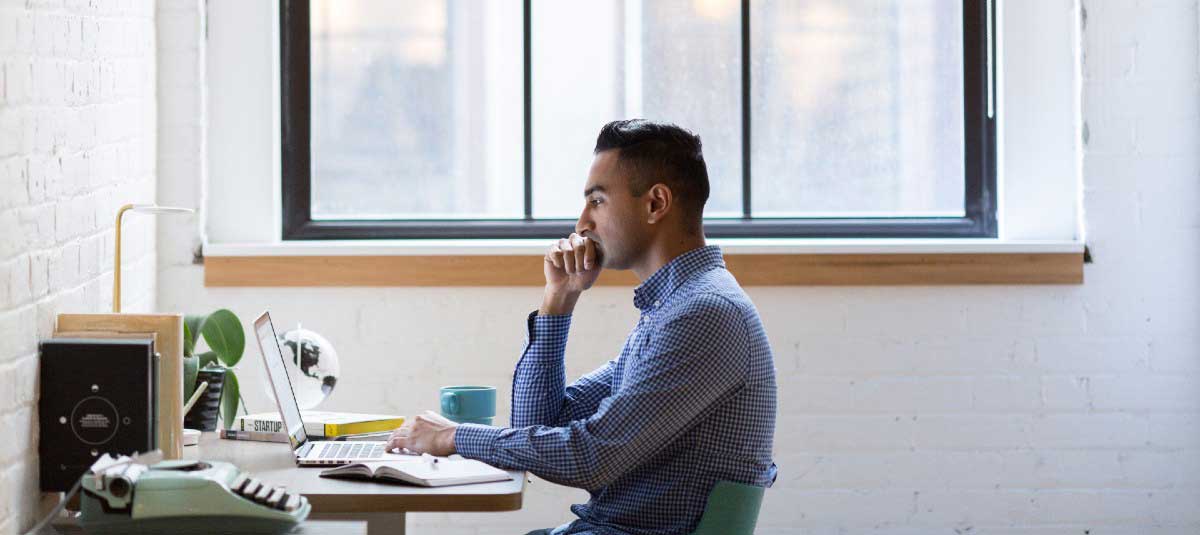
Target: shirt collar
<point>653,290</point>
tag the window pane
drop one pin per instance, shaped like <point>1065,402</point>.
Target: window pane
<point>416,109</point>
<point>857,108</point>
<point>596,61</point>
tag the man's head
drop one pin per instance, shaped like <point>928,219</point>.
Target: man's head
<point>648,181</point>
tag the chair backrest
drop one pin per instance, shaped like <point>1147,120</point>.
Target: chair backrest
<point>732,510</point>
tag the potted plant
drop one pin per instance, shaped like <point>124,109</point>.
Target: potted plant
<point>222,332</point>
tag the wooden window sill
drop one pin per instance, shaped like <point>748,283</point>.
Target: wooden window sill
<point>821,263</point>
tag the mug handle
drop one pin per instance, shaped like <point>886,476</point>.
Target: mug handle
<point>449,403</point>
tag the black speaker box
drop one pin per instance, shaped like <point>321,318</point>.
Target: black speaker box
<point>98,396</point>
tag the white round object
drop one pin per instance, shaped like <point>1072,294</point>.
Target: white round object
<point>314,373</point>
<point>191,437</point>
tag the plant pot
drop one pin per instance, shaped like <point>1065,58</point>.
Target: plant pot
<point>204,413</point>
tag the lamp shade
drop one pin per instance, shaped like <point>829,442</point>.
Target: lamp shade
<point>156,209</point>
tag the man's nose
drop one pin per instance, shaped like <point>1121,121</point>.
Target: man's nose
<point>584,226</point>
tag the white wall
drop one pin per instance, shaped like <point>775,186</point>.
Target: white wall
<point>77,140</point>
<point>1025,410</point>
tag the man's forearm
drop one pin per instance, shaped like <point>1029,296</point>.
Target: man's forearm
<point>539,377</point>
<point>563,455</point>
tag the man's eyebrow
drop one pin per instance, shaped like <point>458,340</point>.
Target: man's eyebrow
<point>592,190</point>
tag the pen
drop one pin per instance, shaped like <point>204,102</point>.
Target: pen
<point>432,460</point>
<point>187,407</point>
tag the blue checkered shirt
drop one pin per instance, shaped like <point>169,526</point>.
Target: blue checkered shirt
<point>689,402</point>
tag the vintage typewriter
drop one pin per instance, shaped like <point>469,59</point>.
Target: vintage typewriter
<point>123,496</point>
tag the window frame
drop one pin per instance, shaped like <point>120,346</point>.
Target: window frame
<point>979,142</point>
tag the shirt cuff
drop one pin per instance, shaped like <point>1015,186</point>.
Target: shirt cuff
<point>475,441</point>
<point>547,331</point>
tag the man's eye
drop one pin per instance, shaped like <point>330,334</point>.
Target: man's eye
<point>594,202</point>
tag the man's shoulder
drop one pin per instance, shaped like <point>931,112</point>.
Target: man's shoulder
<point>713,295</point>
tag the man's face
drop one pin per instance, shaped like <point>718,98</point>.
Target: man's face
<point>613,218</point>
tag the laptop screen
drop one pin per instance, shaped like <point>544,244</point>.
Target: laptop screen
<point>290,412</point>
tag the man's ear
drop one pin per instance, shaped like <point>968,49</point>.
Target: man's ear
<point>659,200</point>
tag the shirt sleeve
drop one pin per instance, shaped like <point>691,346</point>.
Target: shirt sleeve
<point>691,364</point>
<point>538,394</point>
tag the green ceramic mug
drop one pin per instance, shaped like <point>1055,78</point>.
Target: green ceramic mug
<point>469,404</point>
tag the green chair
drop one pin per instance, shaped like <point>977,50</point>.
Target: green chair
<point>732,510</point>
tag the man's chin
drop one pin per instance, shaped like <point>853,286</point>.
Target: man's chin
<point>611,263</point>
<point>608,261</point>
<point>601,257</point>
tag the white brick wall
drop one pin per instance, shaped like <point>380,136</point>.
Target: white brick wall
<point>77,140</point>
<point>1027,410</point>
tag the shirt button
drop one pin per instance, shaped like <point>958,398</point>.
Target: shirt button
<point>657,303</point>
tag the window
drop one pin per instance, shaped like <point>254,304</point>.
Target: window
<point>476,119</point>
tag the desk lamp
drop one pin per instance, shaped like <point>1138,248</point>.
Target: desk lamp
<point>141,209</point>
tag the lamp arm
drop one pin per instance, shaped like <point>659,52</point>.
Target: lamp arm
<point>117,260</point>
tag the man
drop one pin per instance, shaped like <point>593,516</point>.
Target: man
<point>689,402</point>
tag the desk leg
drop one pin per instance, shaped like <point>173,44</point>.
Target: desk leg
<point>377,523</point>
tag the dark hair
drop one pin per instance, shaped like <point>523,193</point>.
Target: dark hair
<point>655,153</point>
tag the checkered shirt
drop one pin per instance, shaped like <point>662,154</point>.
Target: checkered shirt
<point>689,402</point>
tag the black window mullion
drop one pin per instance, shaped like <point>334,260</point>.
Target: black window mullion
<point>746,189</point>
<point>528,113</point>
<point>979,142</point>
<point>295,145</point>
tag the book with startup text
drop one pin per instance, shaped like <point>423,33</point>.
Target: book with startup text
<point>321,424</point>
<point>258,436</point>
<point>420,471</point>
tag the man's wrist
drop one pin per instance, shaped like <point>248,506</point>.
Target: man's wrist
<point>558,303</point>
<point>447,437</point>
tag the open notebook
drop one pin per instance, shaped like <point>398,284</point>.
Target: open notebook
<point>447,471</point>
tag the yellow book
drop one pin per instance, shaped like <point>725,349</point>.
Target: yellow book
<point>322,423</point>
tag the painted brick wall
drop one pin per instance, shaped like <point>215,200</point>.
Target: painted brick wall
<point>1023,410</point>
<point>77,140</point>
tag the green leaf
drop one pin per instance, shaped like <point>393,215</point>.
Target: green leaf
<point>192,324</point>
<point>223,333</point>
<point>206,359</point>
<point>229,399</point>
<point>191,365</point>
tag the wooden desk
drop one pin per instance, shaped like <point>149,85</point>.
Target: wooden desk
<point>309,527</point>
<point>382,505</point>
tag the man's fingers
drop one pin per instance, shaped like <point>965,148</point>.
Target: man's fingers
<point>554,256</point>
<point>562,249</point>
<point>585,252</point>
<point>568,255</point>
<point>573,254</point>
<point>582,248</point>
<point>397,443</point>
<point>580,256</point>
<point>589,254</point>
<point>569,261</point>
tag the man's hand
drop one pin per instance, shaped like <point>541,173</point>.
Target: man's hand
<point>425,435</point>
<point>571,266</point>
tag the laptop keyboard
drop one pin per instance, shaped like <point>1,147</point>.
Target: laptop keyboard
<point>350,450</point>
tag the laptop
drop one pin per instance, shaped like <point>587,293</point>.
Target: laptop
<point>307,452</point>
